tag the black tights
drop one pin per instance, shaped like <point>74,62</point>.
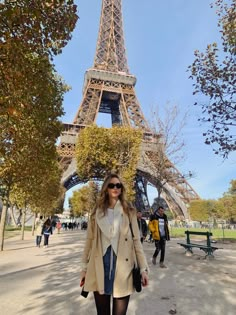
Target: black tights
<point>103,304</point>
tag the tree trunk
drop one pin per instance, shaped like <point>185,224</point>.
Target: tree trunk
<point>13,220</point>
<point>19,217</point>
<point>33,225</point>
<point>23,223</point>
<point>2,225</point>
<point>3,221</point>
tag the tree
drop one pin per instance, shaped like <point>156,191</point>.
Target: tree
<point>169,215</point>
<point>45,27</point>
<point>203,210</point>
<point>84,200</point>
<point>228,208</point>
<point>228,202</point>
<point>31,33</point>
<point>31,93</point>
<point>167,146</point>
<point>214,73</point>
<point>232,188</point>
<point>103,150</point>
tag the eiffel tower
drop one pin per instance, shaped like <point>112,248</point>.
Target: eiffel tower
<point>110,88</point>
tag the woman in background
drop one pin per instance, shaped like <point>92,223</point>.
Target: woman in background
<point>47,231</point>
<point>39,230</point>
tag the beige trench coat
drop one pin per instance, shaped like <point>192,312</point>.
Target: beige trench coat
<point>92,256</point>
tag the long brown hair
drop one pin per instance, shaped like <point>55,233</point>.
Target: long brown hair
<point>103,199</point>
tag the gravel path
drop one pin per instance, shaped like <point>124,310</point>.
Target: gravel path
<point>42,281</point>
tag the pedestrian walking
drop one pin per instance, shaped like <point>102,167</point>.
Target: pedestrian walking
<point>39,230</point>
<point>150,240</point>
<point>108,256</point>
<point>58,226</point>
<point>142,226</point>
<point>47,231</point>
<point>158,225</point>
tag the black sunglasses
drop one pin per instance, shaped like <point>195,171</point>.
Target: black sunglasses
<point>112,186</point>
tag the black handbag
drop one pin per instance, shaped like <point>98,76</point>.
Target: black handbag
<point>137,279</point>
<point>84,293</point>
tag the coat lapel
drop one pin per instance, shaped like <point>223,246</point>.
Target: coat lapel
<point>125,224</point>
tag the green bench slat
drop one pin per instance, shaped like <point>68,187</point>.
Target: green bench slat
<point>197,245</point>
<point>198,233</point>
<point>208,249</point>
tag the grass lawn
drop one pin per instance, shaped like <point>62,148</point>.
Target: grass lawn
<point>217,233</point>
<point>11,231</point>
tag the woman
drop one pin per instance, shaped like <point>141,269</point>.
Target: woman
<point>108,256</point>
<point>47,231</point>
<point>39,230</point>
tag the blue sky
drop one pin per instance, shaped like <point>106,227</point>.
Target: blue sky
<point>160,38</point>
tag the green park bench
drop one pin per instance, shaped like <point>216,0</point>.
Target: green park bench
<point>208,248</point>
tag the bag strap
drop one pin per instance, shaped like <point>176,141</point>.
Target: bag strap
<point>131,229</point>
<point>132,233</point>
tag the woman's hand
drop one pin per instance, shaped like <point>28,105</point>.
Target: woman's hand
<point>82,277</point>
<point>144,279</point>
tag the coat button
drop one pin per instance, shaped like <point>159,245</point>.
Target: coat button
<point>127,259</point>
<point>126,239</point>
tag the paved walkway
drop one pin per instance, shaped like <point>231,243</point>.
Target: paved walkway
<point>42,281</point>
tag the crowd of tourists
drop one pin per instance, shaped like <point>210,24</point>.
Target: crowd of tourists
<point>46,227</point>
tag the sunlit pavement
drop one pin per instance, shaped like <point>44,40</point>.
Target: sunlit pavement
<point>42,281</point>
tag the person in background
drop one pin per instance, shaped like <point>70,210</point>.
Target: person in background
<point>158,225</point>
<point>142,226</point>
<point>58,226</point>
<point>53,224</point>
<point>47,231</point>
<point>108,256</point>
<point>39,230</point>
<point>150,240</point>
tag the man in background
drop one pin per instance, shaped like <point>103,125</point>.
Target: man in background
<point>158,225</point>
<point>142,226</point>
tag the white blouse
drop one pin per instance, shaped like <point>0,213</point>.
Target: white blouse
<point>110,228</point>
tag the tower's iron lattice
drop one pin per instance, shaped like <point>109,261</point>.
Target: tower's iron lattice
<point>109,88</point>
